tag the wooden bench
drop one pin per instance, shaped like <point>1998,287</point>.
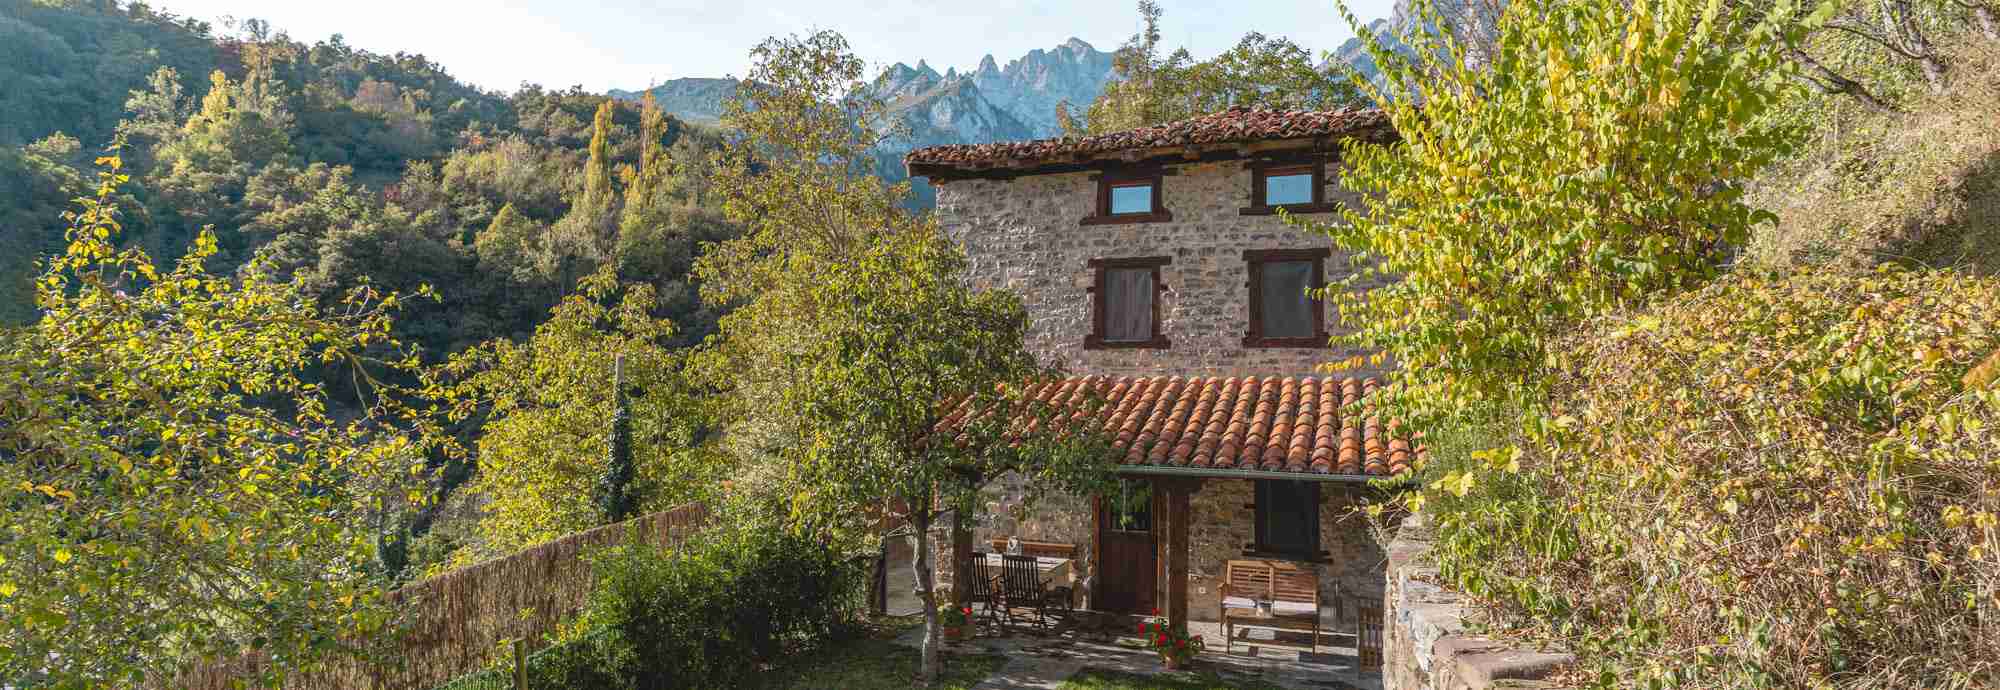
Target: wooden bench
<point>1291,589</point>
<point>1038,549</point>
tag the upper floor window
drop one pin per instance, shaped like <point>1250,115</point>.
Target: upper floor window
<point>1129,197</point>
<point>1283,310</point>
<point>1294,187</point>
<point>1125,303</point>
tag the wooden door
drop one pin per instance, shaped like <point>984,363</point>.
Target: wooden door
<point>1125,563</point>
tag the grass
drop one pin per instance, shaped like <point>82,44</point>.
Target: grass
<point>874,662</point>
<point>1093,679</point>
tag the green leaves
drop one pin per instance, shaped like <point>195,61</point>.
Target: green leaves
<point>172,487</point>
<point>1588,164</point>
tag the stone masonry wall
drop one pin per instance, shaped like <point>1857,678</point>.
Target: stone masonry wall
<point>1023,235</point>
<point>1426,644</point>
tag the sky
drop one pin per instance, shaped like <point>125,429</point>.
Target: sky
<point>629,44</point>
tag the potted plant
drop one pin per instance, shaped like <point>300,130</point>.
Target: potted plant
<point>1176,648</point>
<point>954,619</point>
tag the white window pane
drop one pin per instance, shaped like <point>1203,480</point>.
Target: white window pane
<point>1286,306</point>
<point>1128,304</point>
<point>1288,189</point>
<point>1132,199</point>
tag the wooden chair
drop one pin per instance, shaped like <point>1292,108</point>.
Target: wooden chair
<point>1368,633</point>
<point>982,589</point>
<point>1292,590</point>
<point>1021,588</point>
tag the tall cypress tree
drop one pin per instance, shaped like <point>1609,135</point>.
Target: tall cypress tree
<point>614,489</point>
<point>597,192</point>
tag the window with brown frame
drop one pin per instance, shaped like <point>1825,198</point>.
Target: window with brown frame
<point>1294,187</point>
<point>1125,303</point>
<point>1129,197</point>
<point>1282,311</point>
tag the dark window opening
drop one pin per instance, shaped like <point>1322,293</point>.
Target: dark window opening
<point>1288,518</point>
<point>1285,310</point>
<point>1125,303</point>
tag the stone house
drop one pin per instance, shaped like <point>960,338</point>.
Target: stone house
<point>1156,270</point>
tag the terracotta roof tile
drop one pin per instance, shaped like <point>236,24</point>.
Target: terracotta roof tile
<point>1235,125</point>
<point>1305,425</point>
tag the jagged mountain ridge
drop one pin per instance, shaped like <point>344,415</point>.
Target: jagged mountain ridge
<point>986,104</point>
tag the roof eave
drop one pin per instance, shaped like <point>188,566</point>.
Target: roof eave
<point>1157,155</point>
<point>1220,473</point>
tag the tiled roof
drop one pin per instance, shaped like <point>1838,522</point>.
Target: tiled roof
<point>1271,424</point>
<point>1235,125</point>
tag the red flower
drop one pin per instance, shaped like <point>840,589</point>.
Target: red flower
<point>1160,640</point>
<point>1156,612</point>
<point>1142,627</point>
<point>1180,643</point>
<point>967,610</point>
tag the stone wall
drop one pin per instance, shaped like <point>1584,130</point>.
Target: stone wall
<point>1023,235</point>
<point>1427,645</point>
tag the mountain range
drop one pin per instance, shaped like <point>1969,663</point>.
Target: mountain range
<point>986,104</point>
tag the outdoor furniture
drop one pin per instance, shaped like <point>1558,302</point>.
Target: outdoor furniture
<point>1269,594</point>
<point>1038,549</point>
<point>1021,587</point>
<point>982,588</point>
<point>1368,633</point>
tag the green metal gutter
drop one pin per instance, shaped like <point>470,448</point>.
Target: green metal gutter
<point>1166,471</point>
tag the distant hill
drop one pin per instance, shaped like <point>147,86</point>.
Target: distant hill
<point>694,99</point>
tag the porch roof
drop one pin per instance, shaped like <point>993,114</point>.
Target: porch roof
<point>1311,428</point>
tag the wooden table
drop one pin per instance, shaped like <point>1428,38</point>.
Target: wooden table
<point>1055,572</point>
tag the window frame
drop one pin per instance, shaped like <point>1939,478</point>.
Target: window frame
<point>1153,177</point>
<point>1253,264</point>
<point>1263,169</point>
<point>1098,268</point>
<point>1312,552</point>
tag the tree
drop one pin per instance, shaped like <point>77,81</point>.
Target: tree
<point>542,450</point>
<point>911,395</point>
<point>857,336</point>
<point>614,490</point>
<point>173,484</point>
<point>1595,162</point>
<point>1258,71</point>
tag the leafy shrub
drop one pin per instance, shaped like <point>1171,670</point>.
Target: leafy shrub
<point>1589,165</point>
<point>1770,482</point>
<point>590,662</point>
<point>708,613</point>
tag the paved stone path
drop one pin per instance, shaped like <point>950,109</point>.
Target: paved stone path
<point>1043,663</point>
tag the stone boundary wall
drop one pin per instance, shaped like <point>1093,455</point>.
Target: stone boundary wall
<point>1427,645</point>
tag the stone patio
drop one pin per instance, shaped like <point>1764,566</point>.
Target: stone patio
<point>1045,660</point>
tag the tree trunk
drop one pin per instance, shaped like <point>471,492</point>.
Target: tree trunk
<point>1823,78</point>
<point>1898,20</point>
<point>927,668</point>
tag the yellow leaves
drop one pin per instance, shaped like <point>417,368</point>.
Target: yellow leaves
<point>1458,483</point>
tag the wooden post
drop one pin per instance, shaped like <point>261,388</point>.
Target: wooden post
<point>961,560</point>
<point>520,664</point>
<point>1177,550</point>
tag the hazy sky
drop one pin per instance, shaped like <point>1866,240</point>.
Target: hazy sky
<point>603,44</point>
